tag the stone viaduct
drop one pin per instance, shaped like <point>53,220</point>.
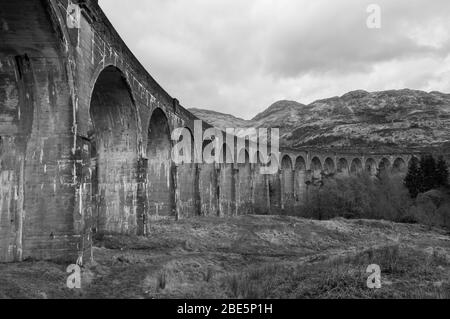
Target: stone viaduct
<point>85,142</point>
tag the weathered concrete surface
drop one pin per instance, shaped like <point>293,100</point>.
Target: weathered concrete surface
<point>85,143</point>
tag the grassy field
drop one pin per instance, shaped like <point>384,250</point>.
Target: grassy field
<point>250,257</point>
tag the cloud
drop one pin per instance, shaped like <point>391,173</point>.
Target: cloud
<point>240,56</point>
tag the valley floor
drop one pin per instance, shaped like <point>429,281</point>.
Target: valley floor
<point>251,257</point>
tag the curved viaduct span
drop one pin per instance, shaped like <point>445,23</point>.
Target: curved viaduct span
<point>85,142</point>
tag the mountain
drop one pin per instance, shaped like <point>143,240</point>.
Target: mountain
<point>386,119</point>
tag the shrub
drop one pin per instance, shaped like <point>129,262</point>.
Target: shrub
<point>358,197</point>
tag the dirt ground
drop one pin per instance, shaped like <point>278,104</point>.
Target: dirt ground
<point>250,257</point>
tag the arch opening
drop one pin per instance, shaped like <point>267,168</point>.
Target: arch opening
<point>287,182</point>
<point>399,166</point>
<point>226,185</point>
<point>384,166</point>
<point>115,151</point>
<point>244,184</point>
<point>160,169</point>
<point>356,166</point>
<point>329,167</point>
<point>316,168</point>
<point>208,185</point>
<point>300,180</point>
<point>274,186</point>
<point>187,181</point>
<point>342,167</point>
<point>260,200</point>
<point>371,167</point>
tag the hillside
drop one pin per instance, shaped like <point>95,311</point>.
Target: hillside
<point>391,119</point>
<point>250,257</point>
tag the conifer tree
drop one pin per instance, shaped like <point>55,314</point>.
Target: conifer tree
<point>428,173</point>
<point>442,173</point>
<point>413,178</point>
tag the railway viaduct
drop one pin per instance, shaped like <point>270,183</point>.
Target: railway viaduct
<point>85,142</point>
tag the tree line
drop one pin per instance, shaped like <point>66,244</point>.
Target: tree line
<point>426,174</point>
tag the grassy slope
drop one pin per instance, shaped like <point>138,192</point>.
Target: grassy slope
<point>251,257</point>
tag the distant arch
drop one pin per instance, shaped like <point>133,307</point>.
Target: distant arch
<point>356,166</point>
<point>413,158</point>
<point>286,162</point>
<point>399,166</point>
<point>371,167</point>
<point>287,175</point>
<point>274,186</point>
<point>243,192</point>
<point>300,164</point>
<point>342,167</point>
<point>329,166</point>
<point>226,184</point>
<point>160,175</point>
<point>316,167</point>
<point>299,179</point>
<point>384,166</point>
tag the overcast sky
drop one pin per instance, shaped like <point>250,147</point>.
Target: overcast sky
<point>240,56</point>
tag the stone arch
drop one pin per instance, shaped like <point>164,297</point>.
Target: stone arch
<point>187,183</point>
<point>342,166</point>
<point>329,167</point>
<point>371,167</point>
<point>286,162</point>
<point>300,163</point>
<point>274,187</point>
<point>413,158</point>
<point>208,186</point>
<point>160,168</point>
<point>287,176</point>
<point>384,166</point>
<point>316,167</point>
<point>399,166</point>
<point>226,182</point>
<point>260,188</point>
<point>244,184</point>
<point>114,136</point>
<point>356,166</point>
<point>300,180</point>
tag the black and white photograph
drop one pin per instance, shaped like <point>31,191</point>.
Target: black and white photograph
<point>237,151</point>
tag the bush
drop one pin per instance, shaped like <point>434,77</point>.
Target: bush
<point>358,197</point>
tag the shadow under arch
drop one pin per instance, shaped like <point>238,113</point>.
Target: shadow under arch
<point>384,166</point>
<point>316,168</point>
<point>287,183</point>
<point>160,175</point>
<point>356,167</point>
<point>187,188</point>
<point>329,167</point>
<point>274,186</point>
<point>226,182</point>
<point>342,167</point>
<point>399,166</point>
<point>371,167</point>
<point>114,136</point>
<point>300,186</point>
<point>244,184</point>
